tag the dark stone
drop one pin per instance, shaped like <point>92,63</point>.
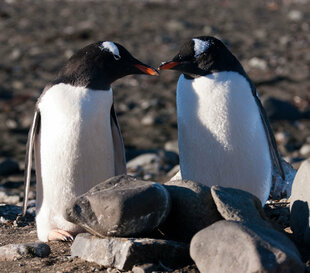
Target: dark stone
<point>4,93</point>
<point>121,206</point>
<point>10,212</point>
<point>281,110</point>
<point>8,167</point>
<point>300,204</point>
<point>228,246</point>
<point>124,253</point>
<point>35,249</point>
<point>192,209</point>
<point>238,205</point>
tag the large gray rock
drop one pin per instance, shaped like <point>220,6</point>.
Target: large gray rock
<point>124,253</point>
<point>238,205</point>
<point>300,204</point>
<point>13,252</point>
<point>192,209</point>
<point>228,246</point>
<point>121,206</point>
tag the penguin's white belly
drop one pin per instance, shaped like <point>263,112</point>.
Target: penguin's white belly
<point>74,150</point>
<point>221,136</point>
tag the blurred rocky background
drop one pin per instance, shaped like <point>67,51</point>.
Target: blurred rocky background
<point>270,38</point>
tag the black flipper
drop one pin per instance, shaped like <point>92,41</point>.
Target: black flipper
<point>118,145</point>
<point>34,129</point>
<point>275,156</point>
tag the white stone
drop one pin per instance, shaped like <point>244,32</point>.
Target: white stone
<point>305,150</point>
<point>8,199</point>
<point>295,15</point>
<point>257,63</point>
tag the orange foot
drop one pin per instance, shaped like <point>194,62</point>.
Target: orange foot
<point>59,235</point>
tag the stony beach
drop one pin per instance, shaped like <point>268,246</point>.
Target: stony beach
<point>270,38</point>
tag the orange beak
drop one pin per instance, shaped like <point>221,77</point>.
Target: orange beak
<point>147,70</point>
<point>168,65</point>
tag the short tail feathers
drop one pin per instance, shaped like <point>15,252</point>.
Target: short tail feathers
<point>28,160</point>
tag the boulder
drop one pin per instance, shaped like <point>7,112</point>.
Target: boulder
<point>300,204</point>
<point>238,205</point>
<point>192,209</point>
<point>120,206</point>
<point>124,253</point>
<point>228,246</point>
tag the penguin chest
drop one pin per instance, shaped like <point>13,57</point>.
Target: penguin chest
<point>76,145</point>
<point>221,136</point>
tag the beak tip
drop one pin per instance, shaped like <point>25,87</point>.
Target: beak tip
<point>156,72</point>
<point>168,65</point>
<point>147,70</point>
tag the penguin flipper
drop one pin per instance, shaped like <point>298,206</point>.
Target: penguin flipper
<point>118,145</point>
<point>34,130</point>
<point>275,156</point>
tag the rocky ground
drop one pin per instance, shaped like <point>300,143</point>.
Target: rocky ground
<point>270,38</point>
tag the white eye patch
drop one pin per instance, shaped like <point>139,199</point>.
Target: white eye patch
<point>111,47</point>
<point>200,46</point>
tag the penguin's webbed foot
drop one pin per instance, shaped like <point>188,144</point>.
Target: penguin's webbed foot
<point>59,235</point>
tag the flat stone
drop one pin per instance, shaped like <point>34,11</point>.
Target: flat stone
<point>124,253</point>
<point>13,252</point>
<point>192,209</point>
<point>228,246</point>
<point>121,206</point>
<point>300,204</point>
<point>238,205</point>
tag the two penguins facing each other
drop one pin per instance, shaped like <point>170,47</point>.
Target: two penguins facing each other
<point>223,133</point>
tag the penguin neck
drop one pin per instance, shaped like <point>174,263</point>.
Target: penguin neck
<point>97,85</point>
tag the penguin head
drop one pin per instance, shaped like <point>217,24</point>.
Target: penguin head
<point>99,64</point>
<point>201,56</point>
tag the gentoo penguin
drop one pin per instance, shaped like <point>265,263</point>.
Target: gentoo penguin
<point>75,134</point>
<point>223,132</point>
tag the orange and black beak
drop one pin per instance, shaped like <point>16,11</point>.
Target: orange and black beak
<point>168,65</point>
<point>146,69</point>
